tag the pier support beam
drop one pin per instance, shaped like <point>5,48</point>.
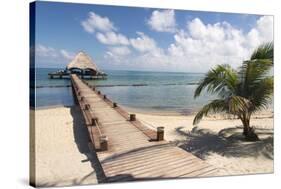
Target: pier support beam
<point>160,133</point>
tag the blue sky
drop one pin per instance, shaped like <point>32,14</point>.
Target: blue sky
<point>145,39</point>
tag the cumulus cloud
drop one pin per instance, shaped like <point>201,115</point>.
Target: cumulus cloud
<point>262,32</point>
<point>67,55</point>
<point>121,50</point>
<point>117,54</point>
<point>143,43</point>
<point>196,48</point>
<point>104,30</point>
<point>51,54</point>
<point>45,51</point>
<point>162,21</point>
<point>112,38</point>
<point>200,46</point>
<point>198,30</point>
<point>97,22</point>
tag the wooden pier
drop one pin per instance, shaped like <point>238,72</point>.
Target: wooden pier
<point>128,149</point>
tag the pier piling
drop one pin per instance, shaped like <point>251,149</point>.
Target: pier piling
<point>160,133</point>
<point>132,117</point>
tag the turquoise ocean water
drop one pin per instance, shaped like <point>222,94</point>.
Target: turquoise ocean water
<point>147,91</point>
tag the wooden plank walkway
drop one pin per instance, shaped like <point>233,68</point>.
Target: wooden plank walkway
<point>128,150</point>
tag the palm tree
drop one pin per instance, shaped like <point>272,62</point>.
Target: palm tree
<point>240,92</point>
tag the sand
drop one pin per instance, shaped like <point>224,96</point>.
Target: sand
<point>62,154</point>
<point>219,141</point>
<point>63,157</point>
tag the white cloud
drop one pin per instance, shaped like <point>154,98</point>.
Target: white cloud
<point>97,22</point>
<point>163,21</point>
<point>263,31</point>
<point>112,38</point>
<point>196,48</point>
<point>52,54</point>
<point>143,43</point>
<point>121,50</point>
<point>198,30</point>
<point>104,30</point>
<point>202,46</point>
<point>45,51</point>
<point>67,55</point>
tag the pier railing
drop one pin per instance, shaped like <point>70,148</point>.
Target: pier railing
<point>127,153</point>
<point>154,133</point>
<point>98,139</point>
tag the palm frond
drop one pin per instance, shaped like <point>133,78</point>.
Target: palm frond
<point>214,106</point>
<point>264,51</point>
<point>221,80</point>
<point>251,73</point>
<point>262,94</point>
<point>238,105</point>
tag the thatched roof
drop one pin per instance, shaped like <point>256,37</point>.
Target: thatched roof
<point>82,61</point>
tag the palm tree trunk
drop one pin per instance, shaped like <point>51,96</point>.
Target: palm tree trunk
<point>246,126</point>
<point>248,131</point>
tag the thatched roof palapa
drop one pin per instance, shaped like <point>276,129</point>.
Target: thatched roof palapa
<point>84,62</point>
<point>83,65</point>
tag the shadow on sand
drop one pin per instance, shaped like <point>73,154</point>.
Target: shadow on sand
<point>81,138</point>
<point>228,142</point>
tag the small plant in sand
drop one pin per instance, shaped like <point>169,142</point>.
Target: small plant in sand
<point>240,92</point>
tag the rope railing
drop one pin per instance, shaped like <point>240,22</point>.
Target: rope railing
<point>148,124</point>
<point>147,128</point>
<point>92,121</point>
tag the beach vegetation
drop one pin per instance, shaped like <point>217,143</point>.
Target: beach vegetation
<point>240,92</point>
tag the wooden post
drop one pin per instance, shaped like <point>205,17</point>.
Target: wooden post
<point>87,106</point>
<point>79,93</point>
<point>160,133</point>
<point>114,104</point>
<point>99,92</point>
<point>82,98</point>
<point>93,87</point>
<point>104,96</point>
<point>132,117</point>
<point>94,121</point>
<point>103,143</point>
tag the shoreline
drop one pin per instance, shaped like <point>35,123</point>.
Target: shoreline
<point>266,113</point>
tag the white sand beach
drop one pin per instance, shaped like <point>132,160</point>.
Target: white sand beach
<point>63,157</point>
<point>219,141</point>
<point>62,154</point>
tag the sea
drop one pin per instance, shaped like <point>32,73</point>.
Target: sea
<point>162,92</point>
